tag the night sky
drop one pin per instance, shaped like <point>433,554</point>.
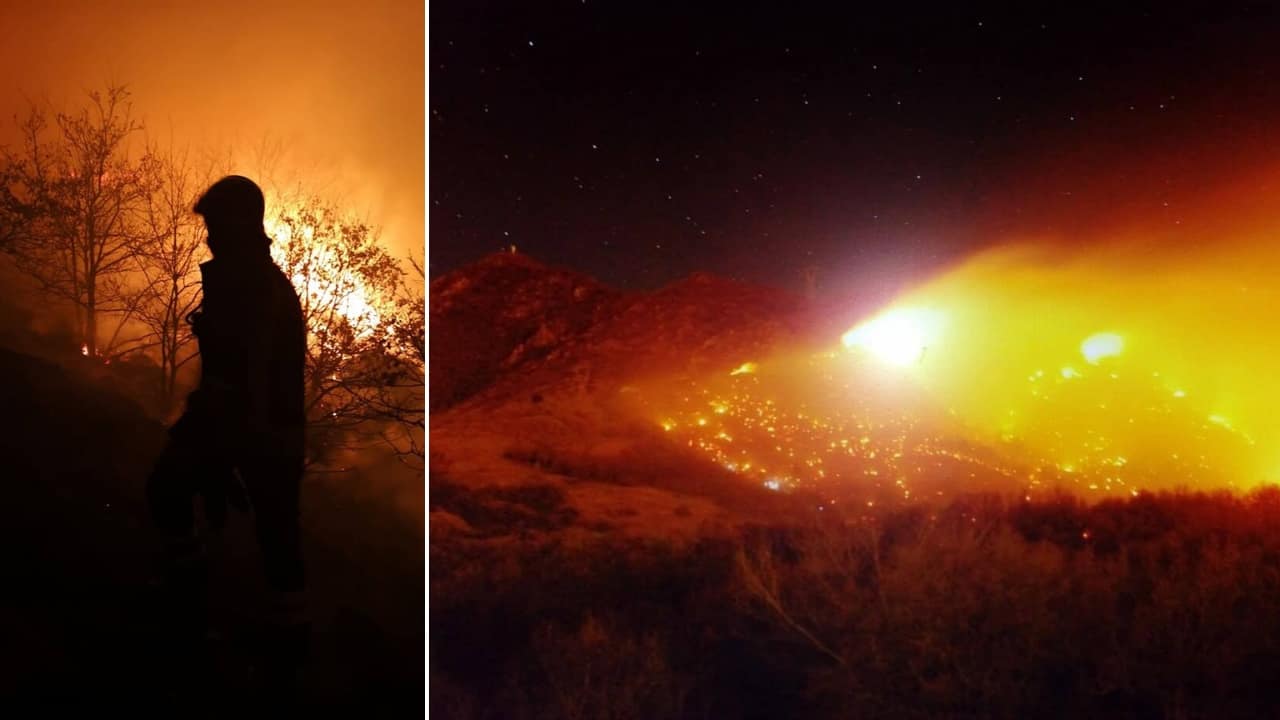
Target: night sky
<point>640,142</point>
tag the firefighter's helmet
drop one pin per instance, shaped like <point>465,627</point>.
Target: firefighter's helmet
<point>233,200</point>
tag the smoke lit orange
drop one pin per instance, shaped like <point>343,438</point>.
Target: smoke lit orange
<point>1114,368</point>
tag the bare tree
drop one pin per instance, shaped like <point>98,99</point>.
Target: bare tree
<point>75,192</point>
<point>401,401</point>
<point>167,259</point>
<point>348,284</point>
<point>14,214</point>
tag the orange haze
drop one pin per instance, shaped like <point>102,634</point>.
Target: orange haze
<point>339,85</point>
<point>1141,353</point>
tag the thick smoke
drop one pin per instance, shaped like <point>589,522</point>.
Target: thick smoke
<point>1194,303</point>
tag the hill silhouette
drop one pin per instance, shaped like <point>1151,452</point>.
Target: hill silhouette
<point>508,323</point>
<point>501,313</point>
<point>534,435</point>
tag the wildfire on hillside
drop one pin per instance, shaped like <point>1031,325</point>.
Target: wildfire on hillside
<point>1009,375</point>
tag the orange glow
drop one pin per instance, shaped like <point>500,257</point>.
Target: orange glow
<point>1118,366</point>
<point>1179,393</point>
<point>346,293</point>
<point>326,97</point>
<point>899,336</point>
<point>1101,345</point>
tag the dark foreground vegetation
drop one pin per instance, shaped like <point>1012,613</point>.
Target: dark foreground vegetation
<point>1161,606</point>
<point>80,632</point>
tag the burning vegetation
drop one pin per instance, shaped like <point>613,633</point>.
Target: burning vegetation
<point>893,539</point>
<point>96,215</point>
<point>1022,370</point>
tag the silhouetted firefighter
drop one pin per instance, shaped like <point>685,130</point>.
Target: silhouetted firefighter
<point>244,422</point>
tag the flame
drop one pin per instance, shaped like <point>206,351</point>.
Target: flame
<point>1182,387</point>
<point>1176,387</point>
<point>84,349</point>
<point>346,292</point>
<point>899,336</point>
<point>1102,345</point>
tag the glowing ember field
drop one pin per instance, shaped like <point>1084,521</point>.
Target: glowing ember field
<point>1008,375</point>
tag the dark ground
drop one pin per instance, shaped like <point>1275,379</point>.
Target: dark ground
<point>78,624</point>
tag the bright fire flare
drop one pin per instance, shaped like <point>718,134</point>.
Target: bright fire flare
<point>899,337</point>
<point>346,292</point>
<point>1185,397</point>
<point>1102,345</point>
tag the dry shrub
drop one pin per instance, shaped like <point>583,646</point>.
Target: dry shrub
<point>499,510</point>
<point>604,671</point>
<point>1165,606</point>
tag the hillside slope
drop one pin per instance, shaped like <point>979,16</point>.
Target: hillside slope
<point>501,313</point>
<point>552,419</point>
<point>77,548</point>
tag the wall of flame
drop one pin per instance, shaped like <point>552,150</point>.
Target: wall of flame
<point>1139,355</point>
<point>1195,374</point>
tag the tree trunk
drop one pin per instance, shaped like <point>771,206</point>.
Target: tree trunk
<point>91,321</point>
